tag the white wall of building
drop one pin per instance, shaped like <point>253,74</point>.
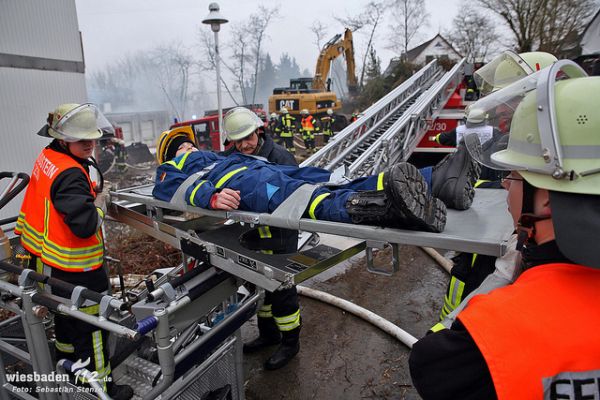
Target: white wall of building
<point>46,33</point>
<point>437,48</point>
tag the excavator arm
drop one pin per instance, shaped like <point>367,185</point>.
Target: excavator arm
<point>331,50</point>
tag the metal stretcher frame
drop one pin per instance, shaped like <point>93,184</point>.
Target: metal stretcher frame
<point>484,228</point>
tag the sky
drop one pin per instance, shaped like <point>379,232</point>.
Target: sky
<point>113,28</point>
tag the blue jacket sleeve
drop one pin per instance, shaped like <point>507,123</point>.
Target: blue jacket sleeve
<point>168,180</point>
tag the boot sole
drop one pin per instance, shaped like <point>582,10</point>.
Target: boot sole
<point>408,190</point>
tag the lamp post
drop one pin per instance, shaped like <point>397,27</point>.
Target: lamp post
<point>215,20</point>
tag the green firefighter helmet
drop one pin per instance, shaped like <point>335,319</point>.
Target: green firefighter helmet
<point>578,138</point>
<point>240,122</point>
<point>73,122</point>
<point>510,67</point>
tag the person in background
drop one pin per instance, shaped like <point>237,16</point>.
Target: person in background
<point>310,126</point>
<point>272,126</point>
<point>60,226</point>
<point>286,129</point>
<point>327,122</point>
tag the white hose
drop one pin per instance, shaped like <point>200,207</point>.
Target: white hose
<point>363,313</point>
<point>444,262</point>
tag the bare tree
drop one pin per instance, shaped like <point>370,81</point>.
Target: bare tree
<point>320,31</point>
<point>541,24</point>
<point>473,33</point>
<point>208,61</point>
<point>256,29</point>
<point>561,21</point>
<point>157,78</point>
<point>172,66</point>
<point>370,18</point>
<point>239,45</point>
<point>409,16</point>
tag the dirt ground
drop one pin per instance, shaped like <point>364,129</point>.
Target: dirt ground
<point>344,357</point>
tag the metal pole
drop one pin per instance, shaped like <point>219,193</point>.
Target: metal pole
<point>37,344</point>
<point>219,104</point>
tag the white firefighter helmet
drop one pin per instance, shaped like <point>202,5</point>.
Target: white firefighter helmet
<point>304,111</point>
<point>273,115</point>
<point>475,115</point>
<point>240,122</point>
<point>329,111</point>
<point>74,122</point>
<point>284,110</point>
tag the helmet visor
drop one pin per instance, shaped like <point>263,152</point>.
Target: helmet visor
<point>524,149</point>
<point>85,122</point>
<point>499,107</point>
<point>503,70</point>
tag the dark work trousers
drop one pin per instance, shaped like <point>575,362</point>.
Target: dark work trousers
<point>75,339</point>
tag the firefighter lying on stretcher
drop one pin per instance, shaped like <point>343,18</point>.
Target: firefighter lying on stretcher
<point>396,198</point>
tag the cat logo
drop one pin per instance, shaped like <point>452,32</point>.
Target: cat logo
<point>289,104</point>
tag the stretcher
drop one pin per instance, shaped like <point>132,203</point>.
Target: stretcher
<point>213,235</point>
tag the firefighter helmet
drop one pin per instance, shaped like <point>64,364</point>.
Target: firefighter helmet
<point>74,122</point>
<point>329,111</point>
<point>284,110</point>
<point>475,115</point>
<point>509,67</point>
<point>240,122</point>
<point>553,144</point>
<point>273,115</point>
<point>169,141</point>
<point>304,111</point>
<point>551,131</point>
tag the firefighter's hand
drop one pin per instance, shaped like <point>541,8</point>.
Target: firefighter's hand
<point>226,199</point>
<point>102,200</point>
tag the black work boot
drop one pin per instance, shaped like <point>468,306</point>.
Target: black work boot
<point>404,203</point>
<point>268,335</point>
<point>290,346</point>
<point>119,392</point>
<point>453,179</point>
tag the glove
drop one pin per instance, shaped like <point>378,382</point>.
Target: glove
<point>102,200</point>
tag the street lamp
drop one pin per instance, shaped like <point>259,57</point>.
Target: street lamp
<point>215,19</point>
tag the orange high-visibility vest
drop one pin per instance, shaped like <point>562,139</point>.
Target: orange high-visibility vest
<point>539,336</point>
<point>307,123</point>
<point>42,228</point>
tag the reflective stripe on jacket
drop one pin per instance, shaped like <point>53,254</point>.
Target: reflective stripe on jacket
<point>42,228</point>
<point>539,336</point>
<point>327,125</point>
<point>286,126</point>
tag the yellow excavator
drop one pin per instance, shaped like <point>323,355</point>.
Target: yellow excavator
<point>314,94</point>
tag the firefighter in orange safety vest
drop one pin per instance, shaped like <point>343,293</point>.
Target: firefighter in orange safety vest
<point>60,226</point>
<point>310,125</point>
<point>535,338</point>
